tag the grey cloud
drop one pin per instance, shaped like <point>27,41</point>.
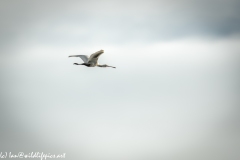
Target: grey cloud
<point>117,21</point>
<point>174,94</point>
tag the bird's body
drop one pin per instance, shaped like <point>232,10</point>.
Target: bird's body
<point>91,61</point>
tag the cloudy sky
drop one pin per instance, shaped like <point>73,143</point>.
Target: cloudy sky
<point>173,96</point>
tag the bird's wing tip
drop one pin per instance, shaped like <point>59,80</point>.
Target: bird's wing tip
<point>99,52</point>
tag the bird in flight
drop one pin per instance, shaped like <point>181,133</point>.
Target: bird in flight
<point>91,61</point>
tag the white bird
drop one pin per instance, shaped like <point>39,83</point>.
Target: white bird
<point>92,61</point>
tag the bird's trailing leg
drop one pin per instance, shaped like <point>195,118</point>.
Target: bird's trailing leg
<point>105,66</point>
<point>111,66</point>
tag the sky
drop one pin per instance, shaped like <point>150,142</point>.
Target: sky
<point>174,94</point>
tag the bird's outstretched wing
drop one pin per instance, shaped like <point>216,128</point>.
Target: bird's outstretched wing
<point>96,55</point>
<point>83,57</point>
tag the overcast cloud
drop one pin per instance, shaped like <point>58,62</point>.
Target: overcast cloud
<point>174,94</point>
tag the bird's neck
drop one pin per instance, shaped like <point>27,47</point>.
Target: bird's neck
<point>85,64</point>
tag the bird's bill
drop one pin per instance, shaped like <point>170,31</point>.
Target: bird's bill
<point>73,56</point>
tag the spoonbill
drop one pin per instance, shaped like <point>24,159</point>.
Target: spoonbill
<point>91,61</point>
